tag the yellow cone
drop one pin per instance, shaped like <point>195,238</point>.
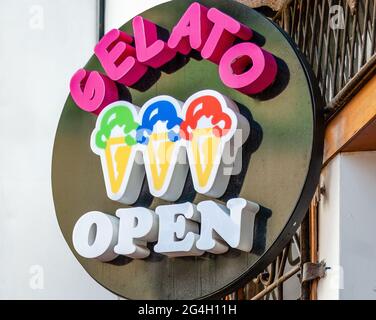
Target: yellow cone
<point>117,155</point>
<point>160,151</point>
<point>205,149</point>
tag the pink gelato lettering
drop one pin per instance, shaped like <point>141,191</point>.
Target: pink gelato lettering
<point>150,50</point>
<point>223,34</point>
<point>192,30</point>
<point>233,68</point>
<point>92,91</point>
<point>218,37</point>
<point>118,58</point>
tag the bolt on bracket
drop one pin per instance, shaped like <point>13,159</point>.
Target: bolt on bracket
<point>312,271</point>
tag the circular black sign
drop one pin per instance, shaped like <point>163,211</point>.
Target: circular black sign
<point>281,166</point>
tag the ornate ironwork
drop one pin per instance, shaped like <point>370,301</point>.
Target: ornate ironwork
<point>338,39</point>
<point>268,285</point>
<point>273,4</point>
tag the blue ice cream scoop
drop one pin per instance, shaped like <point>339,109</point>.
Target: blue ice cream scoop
<point>164,111</point>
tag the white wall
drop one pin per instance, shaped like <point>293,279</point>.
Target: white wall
<point>328,230</point>
<point>41,48</point>
<point>347,221</point>
<point>120,11</point>
<point>358,225</point>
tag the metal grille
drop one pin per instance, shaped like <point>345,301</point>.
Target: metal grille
<point>336,39</point>
<point>269,285</point>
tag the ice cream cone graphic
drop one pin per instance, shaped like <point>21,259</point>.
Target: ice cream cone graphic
<point>211,121</point>
<point>205,147</point>
<point>116,157</point>
<point>162,147</point>
<point>160,150</point>
<point>114,141</point>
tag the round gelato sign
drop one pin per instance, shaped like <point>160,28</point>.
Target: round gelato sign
<point>187,151</point>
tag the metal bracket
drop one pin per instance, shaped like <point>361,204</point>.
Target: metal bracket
<point>312,271</point>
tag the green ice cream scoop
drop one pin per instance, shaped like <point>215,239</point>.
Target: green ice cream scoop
<point>118,115</point>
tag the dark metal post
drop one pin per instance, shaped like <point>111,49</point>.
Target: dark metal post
<point>101,18</point>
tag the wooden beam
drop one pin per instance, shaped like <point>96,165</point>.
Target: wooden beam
<point>347,129</point>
